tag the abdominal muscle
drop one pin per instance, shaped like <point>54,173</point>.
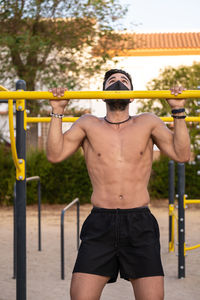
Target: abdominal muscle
<point>112,198</point>
<point>119,183</point>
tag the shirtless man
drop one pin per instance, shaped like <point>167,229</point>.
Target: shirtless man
<point>120,233</point>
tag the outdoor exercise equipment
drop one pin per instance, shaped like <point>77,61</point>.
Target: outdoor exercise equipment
<point>29,179</point>
<point>75,201</point>
<point>182,201</point>
<point>19,149</point>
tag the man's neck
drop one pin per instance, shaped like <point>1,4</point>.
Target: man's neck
<point>117,116</point>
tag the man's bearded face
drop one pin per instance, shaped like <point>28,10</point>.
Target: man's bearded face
<point>117,104</point>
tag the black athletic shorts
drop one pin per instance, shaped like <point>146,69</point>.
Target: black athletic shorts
<point>120,240</point>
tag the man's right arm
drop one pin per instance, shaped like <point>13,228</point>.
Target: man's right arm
<point>59,145</point>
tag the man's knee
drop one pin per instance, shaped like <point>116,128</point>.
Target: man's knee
<point>87,286</point>
<point>148,288</point>
<point>79,294</point>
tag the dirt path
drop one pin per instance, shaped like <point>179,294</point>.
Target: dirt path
<point>43,268</point>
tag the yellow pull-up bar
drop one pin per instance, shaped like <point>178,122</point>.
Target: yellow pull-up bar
<point>99,95</point>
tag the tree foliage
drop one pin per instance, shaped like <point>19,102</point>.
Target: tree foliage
<point>189,78</point>
<point>50,42</point>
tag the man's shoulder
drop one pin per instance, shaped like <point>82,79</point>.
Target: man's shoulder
<point>148,116</point>
<point>149,119</point>
<point>86,119</point>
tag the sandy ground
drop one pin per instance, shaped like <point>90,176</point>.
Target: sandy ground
<point>43,268</point>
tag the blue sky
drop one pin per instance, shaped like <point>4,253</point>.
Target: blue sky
<point>162,15</point>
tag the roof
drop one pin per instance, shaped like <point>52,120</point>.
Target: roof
<point>155,44</point>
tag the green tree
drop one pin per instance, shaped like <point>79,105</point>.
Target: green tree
<point>52,41</point>
<point>189,78</point>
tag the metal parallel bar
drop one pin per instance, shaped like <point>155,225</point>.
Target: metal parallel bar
<point>78,223</point>
<point>75,201</point>
<point>62,247</point>
<point>14,221</point>
<point>192,247</point>
<point>181,220</point>
<point>14,234</point>
<point>21,199</point>
<point>31,95</point>
<point>32,178</point>
<point>37,178</point>
<point>171,205</point>
<point>39,216</point>
<point>70,204</point>
<point>73,119</point>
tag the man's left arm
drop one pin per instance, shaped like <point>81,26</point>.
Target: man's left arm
<point>174,144</point>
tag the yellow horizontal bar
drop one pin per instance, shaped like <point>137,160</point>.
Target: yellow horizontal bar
<point>191,248</point>
<point>99,95</point>
<point>73,119</point>
<point>187,119</point>
<point>190,201</point>
<point>48,119</point>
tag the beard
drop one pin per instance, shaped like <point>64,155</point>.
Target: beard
<point>117,104</point>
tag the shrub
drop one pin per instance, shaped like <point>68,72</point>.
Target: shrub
<point>61,182</point>
<point>158,184</point>
<point>7,175</point>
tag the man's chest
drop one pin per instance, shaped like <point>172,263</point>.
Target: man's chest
<point>123,143</point>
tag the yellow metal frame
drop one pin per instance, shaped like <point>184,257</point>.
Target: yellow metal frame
<point>99,95</point>
<point>19,163</point>
<point>171,213</point>
<point>174,217</point>
<point>192,248</point>
<point>190,201</point>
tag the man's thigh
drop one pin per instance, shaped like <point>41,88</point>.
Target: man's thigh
<point>148,288</point>
<point>87,286</point>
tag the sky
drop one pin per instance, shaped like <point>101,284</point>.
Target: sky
<point>162,15</point>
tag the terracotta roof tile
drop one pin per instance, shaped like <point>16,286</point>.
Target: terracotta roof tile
<point>165,40</point>
<point>185,43</point>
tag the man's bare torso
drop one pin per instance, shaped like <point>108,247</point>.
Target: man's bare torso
<point>119,160</point>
